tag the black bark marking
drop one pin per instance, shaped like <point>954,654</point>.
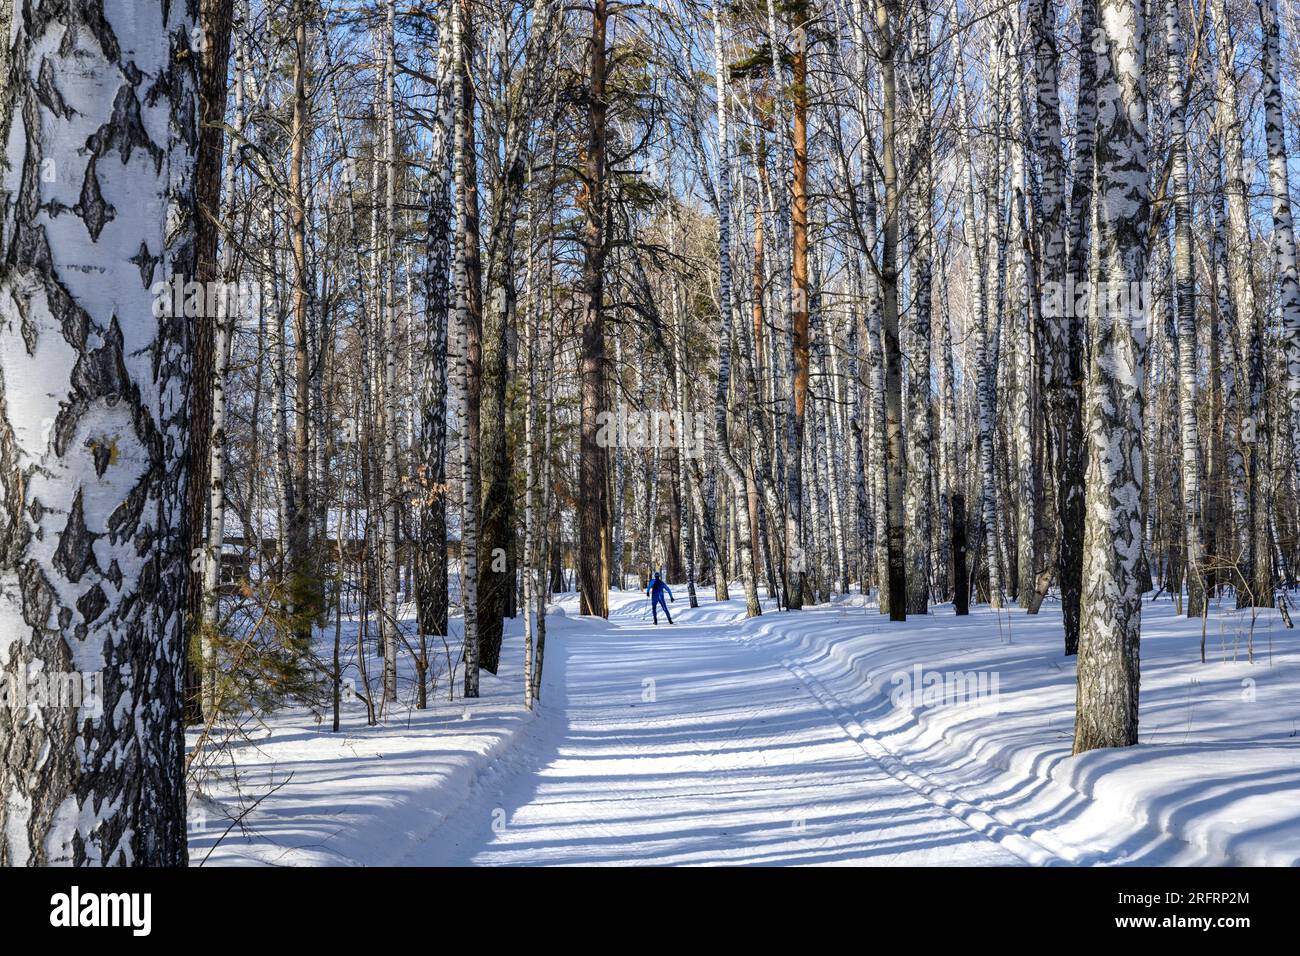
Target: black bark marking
<point>78,17</point>
<point>91,207</point>
<point>39,599</point>
<point>92,603</point>
<point>124,132</point>
<point>99,375</point>
<point>48,92</point>
<point>146,262</point>
<point>75,554</point>
<point>126,516</point>
<point>182,107</point>
<point>90,606</point>
<point>25,325</point>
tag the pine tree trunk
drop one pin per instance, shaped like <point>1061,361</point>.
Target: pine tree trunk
<point>796,558</point>
<point>593,508</point>
<point>496,577</point>
<point>498,545</point>
<point>304,595</point>
<point>960,578</point>
<point>215,21</point>
<point>216,470</point>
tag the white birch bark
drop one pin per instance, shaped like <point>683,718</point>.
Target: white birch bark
<point>470,491</point>
<point>1062,337</point>
<point>390,493</point>
<point>1234,457</point>
<point>99,121</point>
<point>1107,707</point>
<point>977,290</point>
<point>730,465</point>
<point>1284,242</point>
<point>919,453</point>
<point>1185,290</point>
<point>1255,567</point>
<point>431,558</point>
<point>1021,304</point>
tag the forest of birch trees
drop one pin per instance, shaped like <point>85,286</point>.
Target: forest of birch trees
<point>334,335</point>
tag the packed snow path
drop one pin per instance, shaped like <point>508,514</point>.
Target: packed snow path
<point>683,745</point>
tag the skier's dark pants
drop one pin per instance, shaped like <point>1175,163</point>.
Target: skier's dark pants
<point>658,602</point>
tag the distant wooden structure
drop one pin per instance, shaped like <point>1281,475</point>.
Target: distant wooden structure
<point>239,558</point>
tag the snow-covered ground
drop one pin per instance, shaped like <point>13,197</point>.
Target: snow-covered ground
<point>826,736</point>
<point>1214,779</point>
<point>287,791</point>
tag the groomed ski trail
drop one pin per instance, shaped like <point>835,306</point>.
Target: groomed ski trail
<point>683,745</point>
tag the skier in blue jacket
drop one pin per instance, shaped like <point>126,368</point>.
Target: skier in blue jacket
<point>655,590</point>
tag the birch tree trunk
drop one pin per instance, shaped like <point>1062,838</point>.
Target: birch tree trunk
<point>680,376</point>
<point>995,289</point>
<point>735,473</point>
<point>529,564</point>
<point>1185,289</point>
<point>1061,332</point>
<point>948,467</point>
<point>95,384</point>
<point>1284,243</point>
<point>467,257</point>
<point>1023,303</point>
<point>1235,546</point>
<point>1255,579</point>
<point>1107,705</point>
<point>919,458</point>
<point>431,555</point>
<point>977,289</point>
<point>888,19</point>
<point>391,492</point>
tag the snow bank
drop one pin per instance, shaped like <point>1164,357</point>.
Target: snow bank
<point>364,795</point>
